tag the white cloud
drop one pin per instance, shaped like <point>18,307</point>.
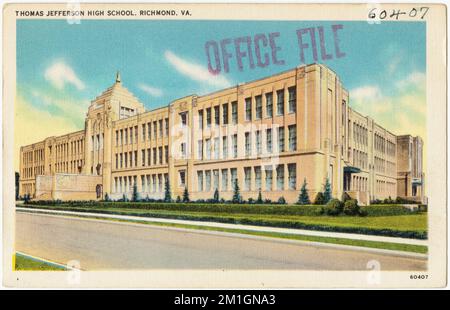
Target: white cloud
<point>152,91</point>
<point>59,74</point>
<point>195,71</point>
<point>415,79</point>
<point>369,93</point>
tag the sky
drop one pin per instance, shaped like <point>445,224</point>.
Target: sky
<point>62,66</point>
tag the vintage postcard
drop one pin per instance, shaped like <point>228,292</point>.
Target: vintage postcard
<point>224,145</point>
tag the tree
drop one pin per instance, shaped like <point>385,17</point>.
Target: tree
<point>327,191</point>
<point>186,195</point>
<point>216,195</point>
<point>167,195</point>
<point>303,198</point>
<point>135,196</point>
<point>236,193</point>
<point>319,200</point>
<point>259,200</point>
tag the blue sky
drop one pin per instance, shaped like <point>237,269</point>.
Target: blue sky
<point>61,66</point>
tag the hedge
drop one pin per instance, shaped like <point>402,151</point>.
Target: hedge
<point>307,210</point>
<point>264,222</point>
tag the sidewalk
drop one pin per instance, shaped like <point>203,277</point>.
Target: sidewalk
<point>237,226</point>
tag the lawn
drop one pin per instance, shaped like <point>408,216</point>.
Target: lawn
<point>413,225</point>
<point>25,263</point>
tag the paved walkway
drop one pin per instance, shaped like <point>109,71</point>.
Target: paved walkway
<point>292,231</point>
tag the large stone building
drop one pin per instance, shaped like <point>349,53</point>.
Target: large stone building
<point>268,135</point>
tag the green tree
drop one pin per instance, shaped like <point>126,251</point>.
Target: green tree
<point>259,200</point>
<point>167,194</point>
<point>135,196</point>
<point>236,193</point>
<point>303,198</point>
<point>327,191</point>
<point>186,195</point>
<point>216,195</point>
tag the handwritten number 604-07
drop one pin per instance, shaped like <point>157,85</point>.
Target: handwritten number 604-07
<point>383,14</point>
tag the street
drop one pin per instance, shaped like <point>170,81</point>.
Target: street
<point>108,245</point>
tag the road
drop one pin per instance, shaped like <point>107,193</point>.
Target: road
<point>107,245</point>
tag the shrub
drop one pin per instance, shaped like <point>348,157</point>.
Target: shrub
<point>351,207</point>
<point>281,200</point>
<point>178,200</point>
<point>259,200</point>
<point>319,199</point>
<point>135,196</point>
<point>236,193</point>
<point>186,195</point>
<point>327,191</point>
<point>334,207</point>
<point>216,195</point>
<point>167,194</point>
<point>303,198</point>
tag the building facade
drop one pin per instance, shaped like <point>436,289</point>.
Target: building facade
<point>267,135</point>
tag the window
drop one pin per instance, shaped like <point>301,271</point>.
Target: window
<point>280,102</point>
<point>126,136</point>
<point>200,181</point>
<point>224,147</point>
<point>292,175</point>
<point>292,137</point>
<point>269,176</point>
<point>182,174</point>
<point>247,178</point>
<point>183,117</point>
<point>166,153</point>
<point>160,155</point>
<point>208,148</point>
<point>135,158</point>
<point>160,128</point>
<point>121,160</point>
<point>280,139</point>
<point>154,156</point>
<point>292,99</point>
<point>136,134</point>
<point>149,153</point>
<point>234,143</point>
<point>269,105</point>
<point>208,117</point>
<point>126,159</point>
<point>280,177</point>
<point>224,179</point>
<point>166,121</point>
<point>207,180</point>
<point>257,178</point>
<point>131,158</point>
<point>225,113</point>
<point>233,172</point>
<point>143,132</point>
<point>149,130</point>
<point>131,135</point>
<point>216,179</point>
<point>248,144</point>
<point>248,109</point>
<point>269,140</point>
<point>200,119</point>
<point>216,148</point>
<point>117,137</point>
<point>217,115</point>
<point>258,141</point>
<point>200,149</point>
<point>117,161</point>
<point>234,116</point>
<point>258,100</point>
<point>155,129</point>
<point>183,150</point>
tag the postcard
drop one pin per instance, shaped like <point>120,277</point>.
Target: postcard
<point>224,145</point>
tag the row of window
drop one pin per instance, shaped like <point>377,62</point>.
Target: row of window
<point>149,183</point>
<point>386,188</point>
<point>32,171</point>
<point>73,166</point>
<point>384,146</point>
<point>31,157</point>
<point>221,112</point>
<point>149,157</point>
<point>360,134</point>
<point>360,159</point>
<point>149,131</point>
<point>254,178</point>
<point>211,148</point>
<point>359,183</point>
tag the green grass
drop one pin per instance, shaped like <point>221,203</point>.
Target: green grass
<point>410,226</point>
<point>25,263</point>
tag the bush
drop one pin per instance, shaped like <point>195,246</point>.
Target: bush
<point>334,207</point>
<point>351,207</point>
<point>320,200</point>
<point>281,201</point>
